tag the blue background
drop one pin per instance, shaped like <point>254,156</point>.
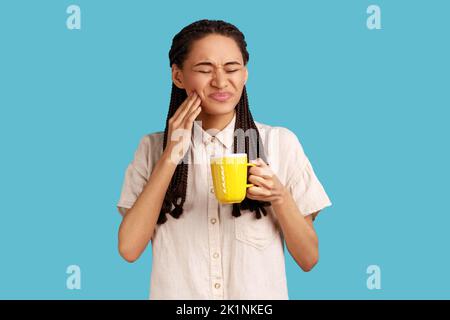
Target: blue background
<point>371,108</point>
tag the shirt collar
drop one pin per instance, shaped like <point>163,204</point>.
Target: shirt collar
<point>225,136</point>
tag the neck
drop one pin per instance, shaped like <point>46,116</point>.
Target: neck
<point>218,122</point>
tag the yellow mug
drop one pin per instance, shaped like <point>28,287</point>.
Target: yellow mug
<point>229,174</point>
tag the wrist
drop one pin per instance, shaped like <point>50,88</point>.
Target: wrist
<point>282,198</point>
<point>169,158</point>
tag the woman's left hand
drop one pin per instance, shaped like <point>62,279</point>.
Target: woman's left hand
<point>267,186</point>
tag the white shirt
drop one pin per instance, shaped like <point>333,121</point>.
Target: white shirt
<point>207,253</point>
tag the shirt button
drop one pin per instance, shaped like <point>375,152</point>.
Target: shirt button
<point>213,220</point>
<point>211,190</point>
<point>217,285</point>
<point>215,255</point>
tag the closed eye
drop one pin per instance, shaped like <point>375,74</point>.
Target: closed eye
<point>228,71</point>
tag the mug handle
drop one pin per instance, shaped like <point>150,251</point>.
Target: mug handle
<point>248,185</point>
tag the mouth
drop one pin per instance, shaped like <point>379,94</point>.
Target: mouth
<point>220,96</point>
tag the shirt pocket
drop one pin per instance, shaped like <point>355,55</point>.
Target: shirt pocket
<point>258,233</point>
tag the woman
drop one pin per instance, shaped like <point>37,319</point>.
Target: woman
<point>203,249</point>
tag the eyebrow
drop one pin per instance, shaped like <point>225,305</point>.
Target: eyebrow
<point>206,63</point>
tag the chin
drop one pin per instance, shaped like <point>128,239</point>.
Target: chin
<point>218,108</point>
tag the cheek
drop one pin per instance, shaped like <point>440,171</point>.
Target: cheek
<point>196,83</point>
<point>238,78</point>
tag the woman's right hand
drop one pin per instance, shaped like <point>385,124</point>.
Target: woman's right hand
<point>180,128</point>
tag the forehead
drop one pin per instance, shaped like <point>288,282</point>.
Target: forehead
<point>214,48</point>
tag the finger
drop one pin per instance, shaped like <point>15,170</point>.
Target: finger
<point>258,161</point>
<point>192,116</point>
<point>260,171</point>
<point>260,198</point>
<point>253,197</point>
<point>182,109</point>
<point>191,106</point>
<point>260,181</point>
<point>258,191</point>
<point>261,162</point>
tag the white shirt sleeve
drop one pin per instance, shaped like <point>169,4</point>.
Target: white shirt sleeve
<point>303,184</point>
<point>308,192</point>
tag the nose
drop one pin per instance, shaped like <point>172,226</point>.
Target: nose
<point>219,79</point>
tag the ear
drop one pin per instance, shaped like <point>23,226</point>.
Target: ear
<point>177,76</point>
